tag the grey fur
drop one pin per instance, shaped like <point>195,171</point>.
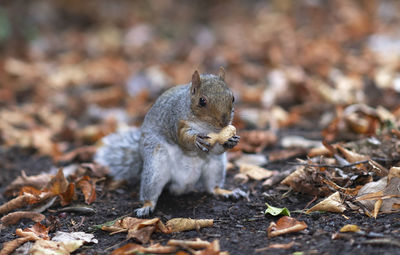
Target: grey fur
<point>154,153</point>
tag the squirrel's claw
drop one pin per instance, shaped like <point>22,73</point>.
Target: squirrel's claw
<point>238,193</point>
<point>232,142</point>
<point>201,142</point>
<point>145,210</point>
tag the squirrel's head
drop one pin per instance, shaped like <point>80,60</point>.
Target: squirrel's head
<point>211,99</point>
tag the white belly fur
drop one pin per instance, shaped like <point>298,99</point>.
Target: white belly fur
<point>188,168</point>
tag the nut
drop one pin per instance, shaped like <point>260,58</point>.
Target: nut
<point>223,136</point>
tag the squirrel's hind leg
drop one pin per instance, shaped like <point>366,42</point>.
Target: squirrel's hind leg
<point>214,178</point>
<point>155,175</point>
<point>213,172</point>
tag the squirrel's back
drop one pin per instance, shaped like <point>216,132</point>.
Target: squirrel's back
<point>120,151</point>
<point>172,106</point>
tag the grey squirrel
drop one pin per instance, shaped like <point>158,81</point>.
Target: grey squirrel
<point>172,146</point>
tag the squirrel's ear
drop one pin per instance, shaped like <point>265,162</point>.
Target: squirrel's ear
<point>221,73</point>
<point>195,82</point>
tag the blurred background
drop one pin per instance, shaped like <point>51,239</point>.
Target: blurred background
<point>73,71</point>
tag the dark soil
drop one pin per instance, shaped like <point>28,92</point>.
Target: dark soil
<point>241,225</point>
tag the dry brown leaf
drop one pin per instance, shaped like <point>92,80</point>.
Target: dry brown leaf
<point>280,155</point>
<point>88,188</point>
<point>18,202</point>
<point>319,151</point>
<point>9,247</point>
<point>256,140</point>
<point>131,248</point>
<point>283,246</point>
<point>15,217</point>
<point>69,195</point>
<point>347,191</point>
<point>285,225</point>
<point>57,185</point>
<point>139,229</point>
<point>184,224</point>
<point>378,169</point>
<point>255,172</point>
<point>350,228</point>
<point>196,244</point>
<point>141,234</point>
<point>333,203</point>
<point>351,156</point>
<point>81,154</point>
<point>304,180</point>
<point>50,247</point>
<point>36,181</point>
<point>386,190</point>
<point>212,249</point>
<point>36,232</point>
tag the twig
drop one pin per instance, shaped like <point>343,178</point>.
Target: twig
<point>329,166</point>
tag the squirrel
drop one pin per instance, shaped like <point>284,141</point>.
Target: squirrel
<point>172,146</point>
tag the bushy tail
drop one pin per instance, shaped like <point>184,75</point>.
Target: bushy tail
<point>120,152</point>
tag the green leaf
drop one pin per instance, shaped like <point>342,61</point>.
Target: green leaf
<point>274,211</point>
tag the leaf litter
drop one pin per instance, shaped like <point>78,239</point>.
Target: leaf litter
<point>333,70</point>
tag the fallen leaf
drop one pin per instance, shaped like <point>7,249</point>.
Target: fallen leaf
<point>58,184</point>
<point>255,172</point>
<point>196,244</point>
<point>88,188</point>
<point>256,141</point>
<point>304,180</point>
<point>82,154</point>
<point>251,159</point>
<point>382,195</point>
<point>15,217</point>
<point>36,181</point>
<point>184,224</point>
<point>280,155</point>
<point>9,247</point>
<point>350,228</point>
<point>285,225</point>
<point>131,248</point>
<point>60,236</point>
<point>212,249</point>
<point>382,241</point>
<point>36,232</point>
<point>274,211</point>
<point>351,156</point>
<point>139,229</point>
<point>333,203</point>
<point>57,248</point>
<point>283,246</point>
<point>69,195</point>
<point>299,142</point>
<point>18,202</point>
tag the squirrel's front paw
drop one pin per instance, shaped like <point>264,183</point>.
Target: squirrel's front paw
<point>236,193</point>
<point>201,142</point>
<point>145,210</point>
<point>232,142</point>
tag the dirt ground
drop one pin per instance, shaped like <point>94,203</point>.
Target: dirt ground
<point>73,71</point>
<point>241,225</point>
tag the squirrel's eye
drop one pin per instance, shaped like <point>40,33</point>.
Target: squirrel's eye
<point>202,102</point>
<point>233,99</point>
